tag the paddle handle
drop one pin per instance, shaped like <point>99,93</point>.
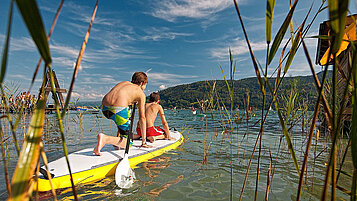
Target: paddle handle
<point>130,136</point>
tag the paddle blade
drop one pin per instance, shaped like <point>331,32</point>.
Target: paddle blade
<point>124,175</point>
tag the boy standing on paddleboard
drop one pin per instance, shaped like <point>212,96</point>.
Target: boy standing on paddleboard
<point>152,109</point>
<point>115,106</point>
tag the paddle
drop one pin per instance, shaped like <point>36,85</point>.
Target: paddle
<point>124,175</point>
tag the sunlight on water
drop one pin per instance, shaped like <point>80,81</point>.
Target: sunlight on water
<point>180,173</point>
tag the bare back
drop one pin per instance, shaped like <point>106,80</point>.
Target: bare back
<point>123,94</point>
<point>151,112</point>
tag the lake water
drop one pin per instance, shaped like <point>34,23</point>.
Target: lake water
<point>183,174</point>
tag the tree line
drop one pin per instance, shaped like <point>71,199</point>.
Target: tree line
<point>187,95</point>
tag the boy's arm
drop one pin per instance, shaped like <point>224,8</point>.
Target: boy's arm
<point>142,118</point>
<point>164,122</point>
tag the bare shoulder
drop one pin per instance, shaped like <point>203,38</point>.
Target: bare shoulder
<point>160,109</point>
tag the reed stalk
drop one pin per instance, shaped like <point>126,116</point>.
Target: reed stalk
<point>29,155</point>
<point>60,125</point>
<point>3,153</point>
<point>48,38</point>
<point>78,62</point>
<point>354,125</point>
<point>337,13</point>
<point>312,128</point>
<point>44,158</point>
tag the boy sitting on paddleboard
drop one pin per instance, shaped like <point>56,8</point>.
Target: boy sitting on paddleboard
<point>152,109</point>
<point>115,106</point>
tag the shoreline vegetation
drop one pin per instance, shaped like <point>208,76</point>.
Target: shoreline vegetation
<point>329,104</point>
<point>185,96</point>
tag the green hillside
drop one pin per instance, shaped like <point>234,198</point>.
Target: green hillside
<point>182,96</point>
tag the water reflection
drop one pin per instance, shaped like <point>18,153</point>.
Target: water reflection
<point>156,192</point>
<point>153,168</point>
<point>180,175</point>
<point>155,165</point>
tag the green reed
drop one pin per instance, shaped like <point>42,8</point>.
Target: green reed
<point>28,158</point>
<point>338,11</point>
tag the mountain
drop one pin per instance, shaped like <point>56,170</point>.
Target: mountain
<point>186,95</point>
<point>183,96</point>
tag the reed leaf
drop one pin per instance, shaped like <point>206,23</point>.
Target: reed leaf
<point>295,44</point>
<point>257,72</point>
<point>280,35</point>
<point>269,19</point>
<point>60,124</point>
<point>78,62</point>
<point>291,27</point>
<point>354,126</point>
<point>286,132</point>
<point>6,46</point>
<point>48,38</point>
<point>225,80</point>
<point>10,121</point>
<point>3,153</point>
<point>354,185</point>
<point>291,104</point>
<point>45,162</point>
<point>312,128</point>
<point>29,155</point>
<point>32,18</point>
<point>337,12</point>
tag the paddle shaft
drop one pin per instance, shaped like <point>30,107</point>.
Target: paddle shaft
<point>130,136</point>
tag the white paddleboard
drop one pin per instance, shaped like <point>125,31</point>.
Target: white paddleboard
<point>87,167</point>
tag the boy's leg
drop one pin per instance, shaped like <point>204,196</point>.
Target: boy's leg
<point>103,139</point>
<point>138,135</point>
<point>135,136</point>
<point>153,138</point>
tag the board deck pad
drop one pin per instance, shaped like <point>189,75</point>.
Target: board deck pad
<point>86,161</point>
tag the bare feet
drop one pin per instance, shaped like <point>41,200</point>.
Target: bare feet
<point>151,139</point>
<point>146,146</point>
<point>100,144</point>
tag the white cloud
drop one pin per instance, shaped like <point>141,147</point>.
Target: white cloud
<point>63,61</point>
<point>107,79</point>
<point>89,96</point>
<point>64,50</point>
<point>163,33</point>
<point>168,77</point>
<point>162,86</point>
<point>170,10</point>
<point>238,47</point>
<point>22,44</point>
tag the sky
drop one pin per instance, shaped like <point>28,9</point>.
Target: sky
<point>174,41</point>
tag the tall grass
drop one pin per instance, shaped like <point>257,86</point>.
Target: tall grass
<point>22,183</point>
<point>31,151</point>
<point>337,13</point>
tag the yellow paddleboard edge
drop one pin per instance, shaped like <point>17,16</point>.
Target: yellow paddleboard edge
<point>99,172</point>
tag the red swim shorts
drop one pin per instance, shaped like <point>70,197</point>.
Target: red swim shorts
<point>151,131</point>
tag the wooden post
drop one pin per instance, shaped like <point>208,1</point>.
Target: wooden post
<point>59,91</point>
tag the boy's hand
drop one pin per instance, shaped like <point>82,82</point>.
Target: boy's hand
<point>169,138</point>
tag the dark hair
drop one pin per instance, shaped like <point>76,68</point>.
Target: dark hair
<point>139,77</point>
<point>154,96</point>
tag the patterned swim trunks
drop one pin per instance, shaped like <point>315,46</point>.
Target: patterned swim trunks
<point>121,117</point>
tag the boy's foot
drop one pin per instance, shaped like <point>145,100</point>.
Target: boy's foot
<point>100,145</point>
<point>151,139</point>
<point>146,146</point>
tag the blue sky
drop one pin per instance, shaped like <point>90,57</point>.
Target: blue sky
<point>175,42</point>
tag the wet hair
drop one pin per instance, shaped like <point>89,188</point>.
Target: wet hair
<point>139,77</point>
<point>154,96</point>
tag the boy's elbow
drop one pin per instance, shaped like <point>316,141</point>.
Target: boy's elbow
<point>142,119</point>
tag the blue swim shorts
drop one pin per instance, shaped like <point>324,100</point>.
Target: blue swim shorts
<point>121,117</point>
